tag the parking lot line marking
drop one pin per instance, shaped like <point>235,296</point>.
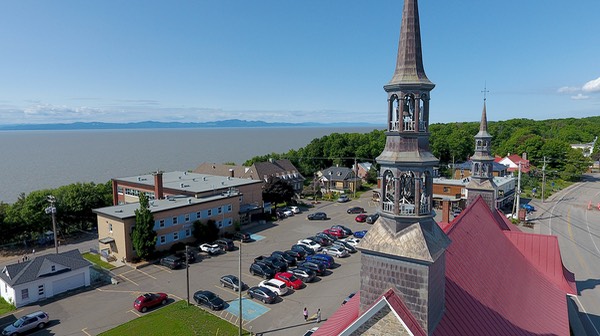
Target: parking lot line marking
<point>85,332</point>
<point>133,311</point>
<point>162,268</point>
<point>146,274</point>
<point>133,282</point>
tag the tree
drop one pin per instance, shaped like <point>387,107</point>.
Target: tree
<point>144,236</point>
<point>206,232</point>
<point>276,190</point>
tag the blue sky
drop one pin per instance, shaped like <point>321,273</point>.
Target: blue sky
<point>291,61</point>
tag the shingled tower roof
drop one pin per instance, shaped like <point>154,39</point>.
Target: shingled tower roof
<point>409,64</point>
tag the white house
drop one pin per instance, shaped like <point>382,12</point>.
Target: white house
<point>43,277</point>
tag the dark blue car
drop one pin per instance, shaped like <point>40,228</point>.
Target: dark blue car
<point>528,207</point>
<point>360,234</point>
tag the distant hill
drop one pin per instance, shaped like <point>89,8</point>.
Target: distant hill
<point>156,124</point>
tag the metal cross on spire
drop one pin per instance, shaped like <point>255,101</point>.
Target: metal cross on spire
<point>485,91</point>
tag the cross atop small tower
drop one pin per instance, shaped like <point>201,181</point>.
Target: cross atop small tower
<point>485,91</point>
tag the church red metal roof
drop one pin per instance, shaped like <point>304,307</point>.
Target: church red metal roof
<point>498,281</point>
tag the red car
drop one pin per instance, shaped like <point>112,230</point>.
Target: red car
<point>361,218</point>
<point>149,300</point>
<point>339,233</point>
<point>290,280</point>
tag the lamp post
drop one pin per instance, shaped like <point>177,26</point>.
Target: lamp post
<point>240,289</point>
<point>52,211</point>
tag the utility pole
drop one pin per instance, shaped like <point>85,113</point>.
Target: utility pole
<point>52,211</point>
<point>187,275</point>
<point>543,178</point>
<point>240,289</point>
<point>355,177</point>
<point>518,203</point>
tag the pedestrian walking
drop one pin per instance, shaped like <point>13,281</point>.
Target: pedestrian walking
<point>305,313</point>
<point>319,315</point>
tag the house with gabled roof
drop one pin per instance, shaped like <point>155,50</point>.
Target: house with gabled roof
<point>339,179</point>
<point>43,277</point>
<point>513,161</point>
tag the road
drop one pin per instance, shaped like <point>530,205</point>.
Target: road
<point>567,216</point>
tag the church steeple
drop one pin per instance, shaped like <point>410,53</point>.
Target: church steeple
<point>482,161</point>
<point>405,248</point>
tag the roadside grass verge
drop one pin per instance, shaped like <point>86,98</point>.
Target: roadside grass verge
<point>95,259</point>
<point>176,319</point>
<point>5,307</point>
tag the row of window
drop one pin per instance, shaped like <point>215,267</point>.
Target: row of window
<point>161,223</point>
<point>175,236</point>
<point>134,192</point>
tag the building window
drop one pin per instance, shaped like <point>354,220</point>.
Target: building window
<point>174,220</point>
<point>163,239</point>
<point>187,218</point>
<point>175,235</point>
<point>198,215</point>
<point>219,224</point>
<point>25,294</point>
<point>229,208</point>
<point>188,232</point>
<point>119,190</point>
<point>219,210</point>
<point>53,268</point>
<point>41,290</point>
<point>446,189</point>
<point>209,212</point>
<point>241,199</point>
<point>161,223</point>
<point>110,227</point>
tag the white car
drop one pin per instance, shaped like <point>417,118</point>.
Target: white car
<point>311,244</point>
<point>352,241</point>
<point>288,212</point>
<point>336,251</point>
<point>295,209</point>
<point>210,248</point>
<point>277,286</point>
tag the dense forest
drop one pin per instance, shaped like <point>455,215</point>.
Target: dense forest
<point>454,142</point>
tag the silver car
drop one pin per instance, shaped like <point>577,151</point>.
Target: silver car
<point>37,320</point>
<point>336,251</point>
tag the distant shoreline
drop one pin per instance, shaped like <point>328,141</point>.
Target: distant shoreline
<point>233,123</point>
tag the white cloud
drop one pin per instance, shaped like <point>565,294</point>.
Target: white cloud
<point>592,86</point>
<point>567,89</point>
<point>579,96</point>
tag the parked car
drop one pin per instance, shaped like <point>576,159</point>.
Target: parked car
<point>346,246</point>
<point>352,241</point>
<point>318,268</point>
<point>338,233</point>
<point>172,262</point>
<point>274,263</point>
<point>277,286</point>
<point>244,237</point>
<point>336,251</point>
<point>327,259</point>
<point>282,256</point>
<point>372,218</point>
<point>298,255</point>
<point>210,248</point>
<point>360,234</point>
<point>295,209</point>
<point>149,300</point>
<point>263,294</point>
<point>37,320</point>
<point>231,281</point>
<point>346,230</point>
<point>327,236</point>
<point>361,218</point>
<point>348,298</point>
<point>322,240</point>
<point>343,199</point>
<point>299,247</point>
<point>304,274</point>
<point>317,216</point>
<point>316,247</point>
<point>209,299</point>
<point>225,243</point>
<point>311,331</point>
<point>528,207</point>
<point>288,212</point>
<point>191,256</point>
<point>289,279</point>
<point>355,210</point>
<point>262,270</point>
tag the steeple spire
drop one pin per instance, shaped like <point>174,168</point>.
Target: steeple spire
<point>409,64</point>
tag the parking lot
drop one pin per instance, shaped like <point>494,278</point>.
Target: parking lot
<point>98,309</point>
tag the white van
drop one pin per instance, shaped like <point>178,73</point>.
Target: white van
<point>275,285</point>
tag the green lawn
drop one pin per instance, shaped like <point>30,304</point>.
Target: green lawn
<point>95,259</point>
<point>5,307</point>
<point>176,319</point>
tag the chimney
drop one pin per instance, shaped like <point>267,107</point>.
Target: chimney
<point>445,211</point>
<point>524,156</point>
<point>231,172</point>
<point>158,184</point>
<point>115,188</point>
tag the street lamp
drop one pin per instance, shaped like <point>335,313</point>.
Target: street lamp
<point>52,210</point>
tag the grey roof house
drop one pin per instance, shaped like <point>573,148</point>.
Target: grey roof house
<point>338,179</point>
<point>43,277</point>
